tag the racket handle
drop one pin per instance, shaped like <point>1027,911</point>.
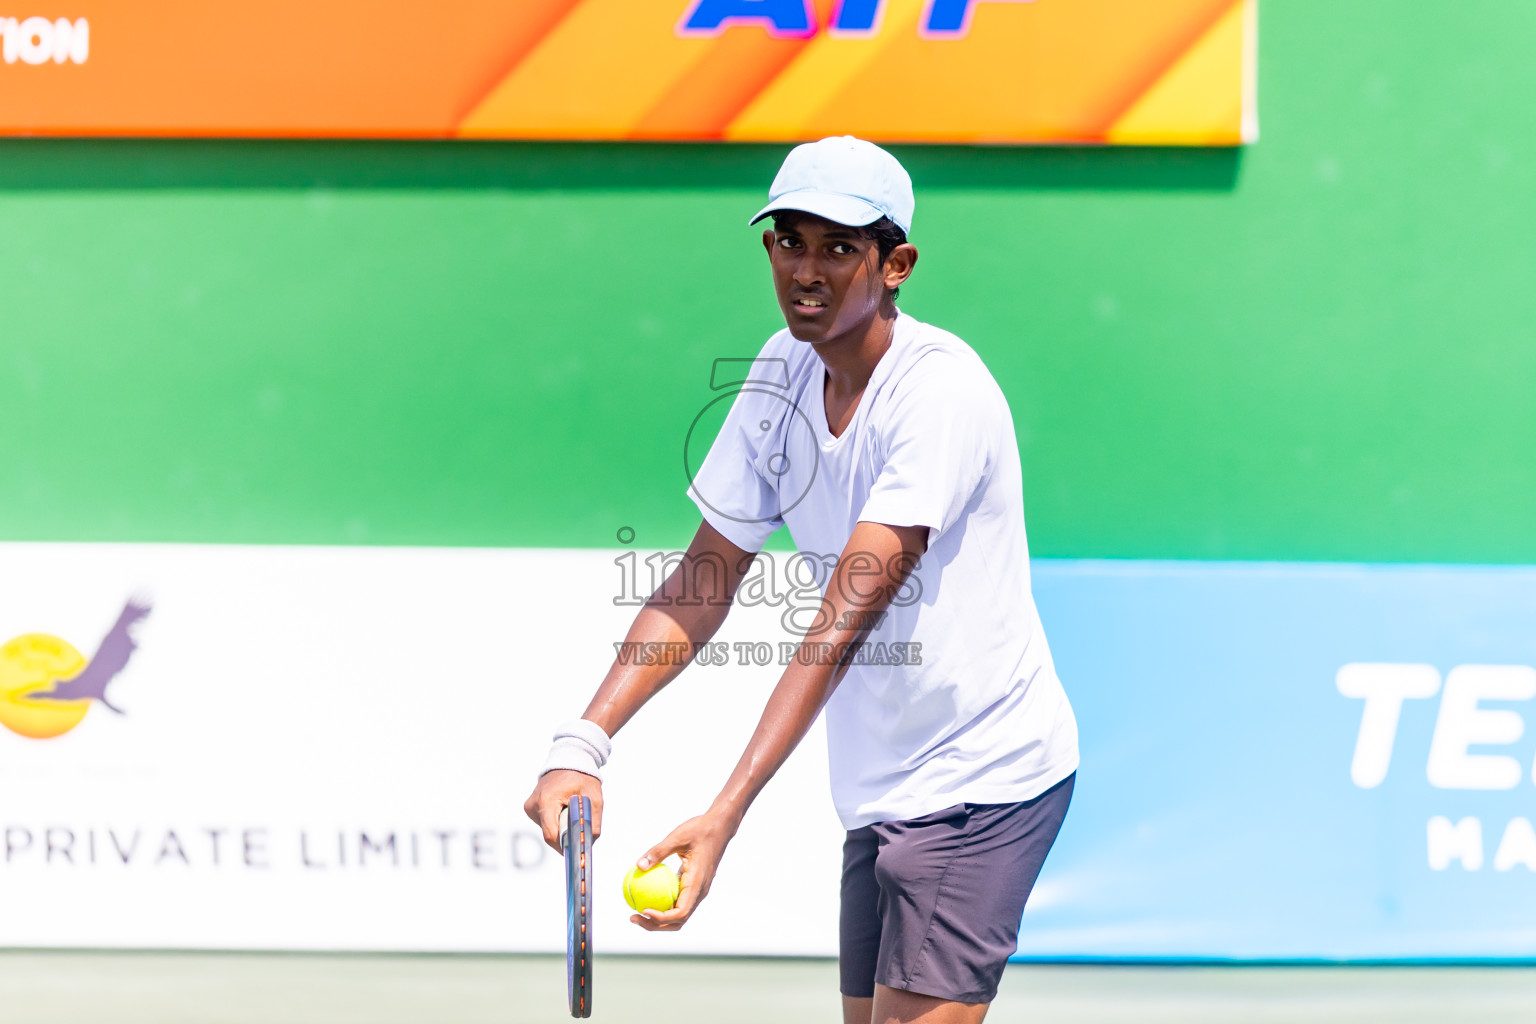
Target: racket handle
<point>565,826</point>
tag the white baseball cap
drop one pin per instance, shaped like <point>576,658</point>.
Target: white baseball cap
<point>844,179</point>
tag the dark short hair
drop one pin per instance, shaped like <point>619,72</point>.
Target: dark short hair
<point>885,233</point>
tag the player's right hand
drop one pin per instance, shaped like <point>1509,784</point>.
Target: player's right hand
<point>551,795</point>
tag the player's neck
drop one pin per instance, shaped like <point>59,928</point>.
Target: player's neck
<point>851,359</point>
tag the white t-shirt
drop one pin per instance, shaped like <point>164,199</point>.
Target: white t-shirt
<point>981,718</point>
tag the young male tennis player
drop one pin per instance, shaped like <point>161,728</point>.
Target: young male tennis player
<point>952,771</point>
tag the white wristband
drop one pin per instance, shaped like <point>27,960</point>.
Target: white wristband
<point>580,746</point>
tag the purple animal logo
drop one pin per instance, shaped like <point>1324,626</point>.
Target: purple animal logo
<point>47,686</point>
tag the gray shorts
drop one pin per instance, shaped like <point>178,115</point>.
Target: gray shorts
<point>932,904</point>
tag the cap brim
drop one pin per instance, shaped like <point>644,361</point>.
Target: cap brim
<point>839,209</point>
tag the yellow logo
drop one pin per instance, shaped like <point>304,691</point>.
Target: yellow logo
<point>47,686</point>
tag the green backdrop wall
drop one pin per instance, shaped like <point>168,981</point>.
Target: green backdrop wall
<point>1318,348</point>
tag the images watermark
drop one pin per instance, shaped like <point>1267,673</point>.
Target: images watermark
<point>797,582</point>
<point>754,396</point>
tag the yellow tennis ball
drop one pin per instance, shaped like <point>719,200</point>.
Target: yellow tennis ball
<point>656,889</point>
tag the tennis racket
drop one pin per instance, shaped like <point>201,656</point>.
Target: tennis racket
<point>576,841</point>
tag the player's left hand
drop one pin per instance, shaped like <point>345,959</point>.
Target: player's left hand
<point>699,843</point>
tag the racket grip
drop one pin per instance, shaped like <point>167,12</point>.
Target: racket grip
<point>565,827</point>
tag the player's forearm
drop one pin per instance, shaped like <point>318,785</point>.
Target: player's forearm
<point>819,665</point>
<point>791,710</point>
<point>667,639</point>
<point>869,573</point>
<point>686,611</point>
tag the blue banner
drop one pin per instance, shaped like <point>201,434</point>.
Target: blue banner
<point>1293,761</point>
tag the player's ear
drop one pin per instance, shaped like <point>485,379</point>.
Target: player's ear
<point>768,240</point>
<point>899,264</point>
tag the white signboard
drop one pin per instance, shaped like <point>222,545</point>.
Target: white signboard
<point>328,749</point>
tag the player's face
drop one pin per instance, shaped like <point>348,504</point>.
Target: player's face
<point>828,277</point>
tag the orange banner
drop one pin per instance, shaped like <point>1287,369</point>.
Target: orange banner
<point>1175,72</point>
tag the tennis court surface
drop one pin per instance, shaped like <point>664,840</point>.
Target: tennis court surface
<point>171,988</point>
